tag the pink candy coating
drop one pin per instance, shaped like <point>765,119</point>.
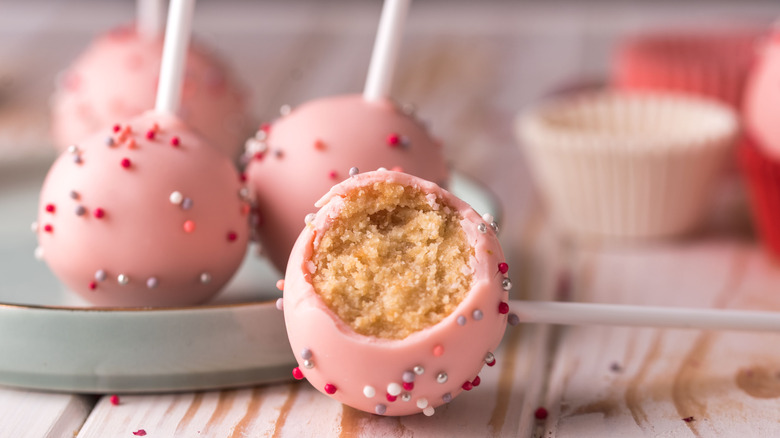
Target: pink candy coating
<point>762,98</point>
<point>116,77</point>
<point>369,372</point>
<point>115,224</point>
<point>320,141</point>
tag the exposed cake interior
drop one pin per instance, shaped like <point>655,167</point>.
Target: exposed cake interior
<point>394,261</point>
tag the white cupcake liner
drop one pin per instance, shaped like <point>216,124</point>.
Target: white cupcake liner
<point>627,165</point>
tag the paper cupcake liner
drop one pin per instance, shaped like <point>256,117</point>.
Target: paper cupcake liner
<point>762,176</point>
<point>627,165</point>
<point>709,64</point>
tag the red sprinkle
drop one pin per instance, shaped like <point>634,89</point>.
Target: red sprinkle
<point>114,400</point>
<point>467,386</point>
<point>117,127</point>
<point>476,381</point>
<point>92,285</point>
<point>258,156</point>
<point>150,134</point>
<point>99,213</point>
<point>688,419</point>
<point>242,177</point>
<point>408,386</point>
<point>189,226</point>
<point>540,413</point>
<point>175,141</point>
<point>503,307</point>
<point>391,398</point>
<point>503,268</point>
<point>491,363</point>
<point>393,140</point>
<point>298,374</point>
<point>126,162</point>
<point>265,127</point>
<point>139,432</point>
<point>50,208</point>
<point>330,388</point>
<point>48,228</point>
<point>232,236</point>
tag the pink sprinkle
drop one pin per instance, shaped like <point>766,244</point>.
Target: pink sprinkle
<point>189,226</point>
<point>467,386</point>
<point>408,385</point>
<point>150,134</point>
<point>265,127</point>
<point>330,388</point>
<point>503,307</point>
<point>232,236</point>
<point>126,162</point>
<point>298,374</point>
<point>280,284</point>
<point>393,140</point>
<point>319,145</point>
<point>503,268</point>
<point>50,208</point>
<point>139,432</point>
<point>245,208</point>
<point>114,400</point>
<point>333,174</point>
<point>438,350</point>
<point>99,213</point>
<point>391,398</point>
<point>175,141</point>
<point>48,228</point>
<point>130,143</point>
<point>476,381</point>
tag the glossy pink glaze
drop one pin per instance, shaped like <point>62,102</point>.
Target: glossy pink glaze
<point>350,361</point>
<point>141,233</point>
<point>116,79</point>
<point>313,148</point>
<point>762,98</point>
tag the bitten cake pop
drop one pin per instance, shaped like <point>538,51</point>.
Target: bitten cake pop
<point>116,79</point>
<point>143,214</point>
<point>395,295</point>
<point>306,152</point>
<point>313,147</point>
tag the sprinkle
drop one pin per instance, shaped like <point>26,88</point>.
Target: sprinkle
<point>139,432</point>
<point>34,227</point>
<point>369,391</point>
<point>117,127</point>
<point>99,213</point>
<point>189,226</point>
<point>186,203</point>
<point>242,177</point>
<point>503,268</point>
<point>513,319</point>
<point>406,397</point>
<point>175,198</point>
<point>476,381</point>
<point>446,398</point>
<point>429,411</point>
<point>503,307</point>
<point>77,159</point>
<point>408,376</point>
<point>408,385</point>
<point>482,228</point>
<point>297,373</point>
<point>540,413</point>
<point>73,149</point>
<point>442,377</point>
<point>122,279</point>
<point>391,398</point>
<point>490,359</point>
<point>243,193</point>
<point>688,419</point>
<point>397,169</point>
<point>279,304</point>
<point>80,210</point>
<point>380,409</point>
<point>419,370</point>
<point>151,282</point>
<point>461,320</point>
<point>330,388</point>
<point>261,135</point>
<point>50,208</point>
<point>126,163</point>
<point>615,367</point>
<point>393,389</point>
<point>487,217</point>
<point>74,194</point>
<point>92,285</point>
<point>477,315</point>
<point>309,218</point>
<point>381,169</point>
<point>308,364</point>
<point>100,275</point>
<point>280,284</point>
<point>48,228</point>
<point>393,140</point>
<point>494,226</point>
<point>114,400</point>
<point>438,350</point>
<point>38,253</point>
<point>319,145</point>
<point>175,141</point>
<point>265,127</point>
<point>333,174</point>
<point>150,134</point>
<point>109,141</point>
<point>130,143</point>
<point>306,353</point>
<point>278,153</point>
<point>285,109</point>
<point>422,403</point>
<point>353,171</point>
<point>205,278</point>
<point>506,284</point>
<point>467,386</point>
<point>258,156</point>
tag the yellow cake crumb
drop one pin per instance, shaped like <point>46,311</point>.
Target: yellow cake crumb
<point>394,262</point>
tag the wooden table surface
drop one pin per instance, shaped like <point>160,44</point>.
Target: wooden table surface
<point>469,67</point>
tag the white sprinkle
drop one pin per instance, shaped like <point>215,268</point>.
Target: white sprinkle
<point>285,109</point>
<point>394,389</point>
<point>176,198</point>
<point>382,169</point>
<point>487,217</point>
<point>309,218</point>
<point>280,304</point>
<point>39,253</point>
<point>73,149</point>
<point>205,278</point>
<point>428,411</point>
<point>369,391</point>
<point>261,135</point>
<point>422,403</point>
<point>34,227</point>
<point>151,282</point>
<point>122,279</point>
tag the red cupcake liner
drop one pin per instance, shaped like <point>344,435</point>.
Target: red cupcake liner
<point>762,175</point>
<point>713,64</point>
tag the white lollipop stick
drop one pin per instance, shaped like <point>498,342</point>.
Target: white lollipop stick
<point>177,39</point>
<point>149,18</point>
<point>565,313</point>
<point>383,58</point>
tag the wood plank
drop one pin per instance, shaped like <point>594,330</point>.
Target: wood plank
<point>39,414</point>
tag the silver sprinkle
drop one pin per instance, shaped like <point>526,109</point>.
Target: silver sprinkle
<point>306,354</point>
<point>73,149</point>
<point>405,142</point>
<point>494,226</point>
<point>513,319</point>
<point>100,275</point>
<point>489,357</point>
<point>461,320</point>
<point>442,377</point>
<point>77,159</point>
<point>186,203</point>
<point>80,210</point>
<point>446,398</point>
<point>353,171</point>
<point>308,364</point>
<point>380,409</point>
<point>285,109</point>
<point>506,284</point>
<point>74,194</point>
<point>477,315</point>
<point>482,228</point>
<point>406,397</point>
<point>109,141</point>
<point>419,370</point>
<point>205,278</point>
<point>122,279</point>
<point>408,377</point>
<point>151,282</point>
